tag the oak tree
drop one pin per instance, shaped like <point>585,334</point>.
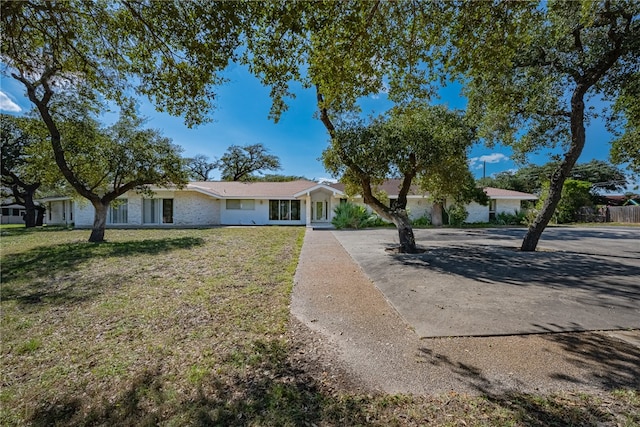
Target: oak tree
<point>426,143</point>
<point>532,73</point>
<point>199,167</point>
<point>239,163</point>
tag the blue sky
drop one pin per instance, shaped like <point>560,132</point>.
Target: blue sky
<point>298,139</point>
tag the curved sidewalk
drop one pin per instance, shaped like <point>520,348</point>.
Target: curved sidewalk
<point>333,296</point>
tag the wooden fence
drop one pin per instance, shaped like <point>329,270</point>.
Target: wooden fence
<point>624,214</point>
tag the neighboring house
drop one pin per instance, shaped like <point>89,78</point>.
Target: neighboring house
<point>249,203</point>
<point>12,213</point>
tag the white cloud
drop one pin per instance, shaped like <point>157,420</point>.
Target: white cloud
<point>493,158</point>
<point>478,162</point>
<point>6,104</point>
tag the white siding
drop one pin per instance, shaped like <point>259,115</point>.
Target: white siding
<point>477,213</point>
<point>192,208</point>
<point>83,215</point>
<point>508,206</point>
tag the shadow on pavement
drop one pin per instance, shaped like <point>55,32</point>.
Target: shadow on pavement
<point>555,270</point>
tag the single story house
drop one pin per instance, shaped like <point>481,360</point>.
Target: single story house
<point>211,203</point>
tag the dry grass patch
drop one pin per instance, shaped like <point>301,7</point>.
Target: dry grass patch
<point>135,328</point>
<point>189,327</point>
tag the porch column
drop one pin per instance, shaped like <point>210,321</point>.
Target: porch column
<point>307,209</point>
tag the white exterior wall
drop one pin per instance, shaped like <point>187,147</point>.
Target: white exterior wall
<point>83,214</point>
<point>477,213</point>
<point>192,208</point>
<point>259,215</point>
<point>418,208</point>
<point>508,206</point>
<point>134,208</point>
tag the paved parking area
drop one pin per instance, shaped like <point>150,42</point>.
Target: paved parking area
<point>474,282</point>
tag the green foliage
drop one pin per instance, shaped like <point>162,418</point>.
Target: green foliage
<point>269,177</point>
<point>199,167</point>
<point>119,48</point>
<point>529,179</point>
<point>427,140</point>
<point>507,218</point>
<point>240,163</point>
<point>111,160</point>
<point>575,194</point>
<point>349,215</point>
<point>457,214</point>
<point>423,221</point>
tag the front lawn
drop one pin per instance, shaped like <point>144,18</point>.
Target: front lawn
<point>189,327</point>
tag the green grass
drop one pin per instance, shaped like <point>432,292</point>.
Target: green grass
<point>189,327</point>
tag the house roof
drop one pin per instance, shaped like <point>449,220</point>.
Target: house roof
<point>499,193</point>
<point>252,190</point>
<point>392,187</point>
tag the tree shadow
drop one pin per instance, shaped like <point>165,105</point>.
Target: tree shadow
<point>23,273</point>
<point>605,362</point>
<point>270,392</point>
<point>612,363</point>
<point>608,282</point>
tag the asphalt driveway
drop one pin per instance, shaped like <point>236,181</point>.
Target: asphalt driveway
<point>474,282</point>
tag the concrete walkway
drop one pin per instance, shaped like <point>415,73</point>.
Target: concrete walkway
<point>334,297</point>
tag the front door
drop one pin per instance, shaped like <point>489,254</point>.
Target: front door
<point>320,211</point>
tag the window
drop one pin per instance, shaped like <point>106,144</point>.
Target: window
<point>167,211</point>
<point>284,210</point>
<point>119,212</point>
<point>16,212</point>
<point>155,211</point>
<point>5,211</point>
<point>241,204</point>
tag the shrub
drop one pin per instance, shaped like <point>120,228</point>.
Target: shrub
<point>457,215</point>
<point>506,218</point>
<point>423,221</point>
<point>348,215</point>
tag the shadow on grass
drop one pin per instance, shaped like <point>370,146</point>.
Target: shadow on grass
<point>273,391</point>
<point>16,231</point>
<point>265,390</point>
<point>50,261</point>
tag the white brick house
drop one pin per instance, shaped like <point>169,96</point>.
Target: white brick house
<point>255,203</point>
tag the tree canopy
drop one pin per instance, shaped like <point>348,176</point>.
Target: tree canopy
<point>199,167</point>
<point>530,179</point>
<point>527,71</point>
<point>420,141</point>
<point>240,163</point>
<point>25,163</point>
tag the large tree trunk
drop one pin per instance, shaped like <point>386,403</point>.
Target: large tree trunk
<point>405,232</point>
<point>25,198</point>
<point>530,241</point>
<point>99,221</point>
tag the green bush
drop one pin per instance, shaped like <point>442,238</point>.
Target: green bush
<point>423,221</point>
<point>457,215</point>
<point>506,218</point>
<point>348,215</point>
